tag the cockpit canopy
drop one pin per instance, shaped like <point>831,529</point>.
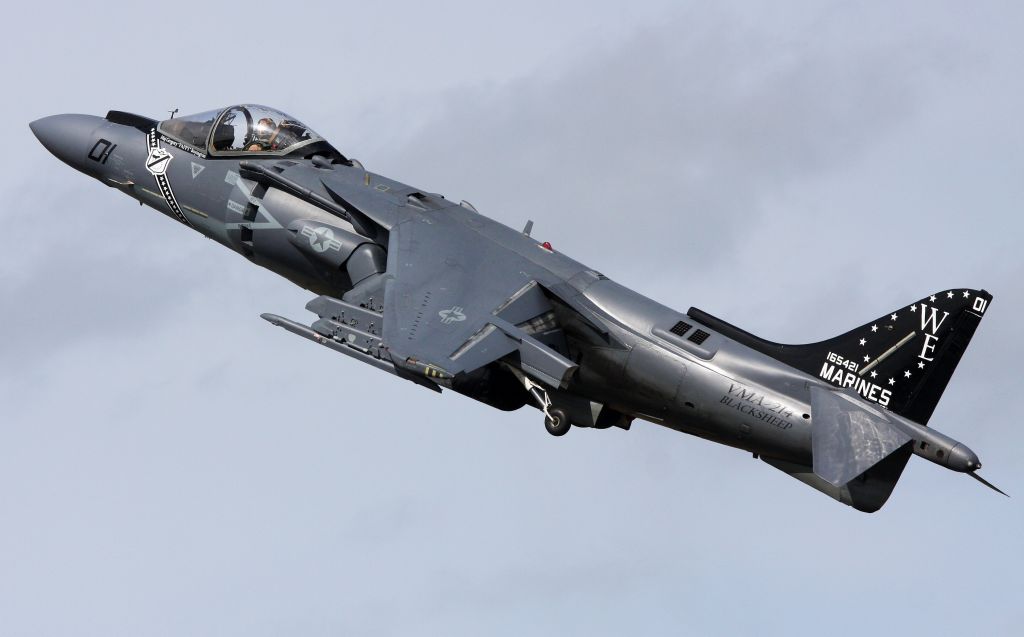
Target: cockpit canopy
<point>246,129</point>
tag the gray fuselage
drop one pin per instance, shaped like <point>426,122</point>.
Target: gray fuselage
<point>719,390</point>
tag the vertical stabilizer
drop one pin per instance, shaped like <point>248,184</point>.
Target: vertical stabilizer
<point>902,361</point>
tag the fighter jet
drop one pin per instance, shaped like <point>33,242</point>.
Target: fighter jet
<point>436,293</point>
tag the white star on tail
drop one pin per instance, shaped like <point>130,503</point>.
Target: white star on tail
<point>874,328</point>
<point>949,294</point>
<point>892,381</point>
<point>932,298</point>
<point>866,358</point>
<point>966,294</point>
<point>874,374</point>
<point>920,365</point>
<point>892,317</point>
<point>906,374</point>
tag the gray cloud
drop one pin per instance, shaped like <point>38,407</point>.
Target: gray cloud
<point>675,138</point>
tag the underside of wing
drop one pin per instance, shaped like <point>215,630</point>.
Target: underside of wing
<point>456,301</point>
<point>457,294</point>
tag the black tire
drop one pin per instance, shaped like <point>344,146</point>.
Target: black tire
<point>557,423</point>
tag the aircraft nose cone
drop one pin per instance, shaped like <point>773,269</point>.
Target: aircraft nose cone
<point>962,458</point>
<point>66,136</point>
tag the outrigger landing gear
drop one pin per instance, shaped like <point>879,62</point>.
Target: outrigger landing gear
<point>555,420</point>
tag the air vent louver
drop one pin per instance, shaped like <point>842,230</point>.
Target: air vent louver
<point>681,328</point>
<point>699,337</point>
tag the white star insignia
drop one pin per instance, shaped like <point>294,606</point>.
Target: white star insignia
<point>906,374</point>
<point>920,365</point>
<point>874,374</point>
<point>913,308</point>
<point>892,317</point>
<point>874,328</point>
<point>949,294</point>
<point>932,298</point>
<point>892,381</point>
<point>966,294</point>
<point>866,358</point>
<point>863,342</point>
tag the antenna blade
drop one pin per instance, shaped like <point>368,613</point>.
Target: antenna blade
<point>987,483</point>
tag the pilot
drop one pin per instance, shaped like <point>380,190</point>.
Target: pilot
<point>264,134</point>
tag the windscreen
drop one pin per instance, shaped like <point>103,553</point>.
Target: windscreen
<point>191,129</point>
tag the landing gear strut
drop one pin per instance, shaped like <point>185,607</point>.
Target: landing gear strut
<point>555,420</point>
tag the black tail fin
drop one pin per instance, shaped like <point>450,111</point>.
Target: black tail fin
<point>901,361</point>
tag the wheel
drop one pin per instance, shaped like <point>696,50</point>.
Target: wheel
<point>557,423</point>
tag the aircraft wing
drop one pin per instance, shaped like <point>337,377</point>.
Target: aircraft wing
<point>460,293</point>
<point>457,300</point>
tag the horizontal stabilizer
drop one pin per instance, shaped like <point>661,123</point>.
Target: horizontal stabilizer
<point>867,493</point>
<point>848,436</point>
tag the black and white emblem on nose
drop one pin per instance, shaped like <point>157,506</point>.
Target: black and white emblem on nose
<point>158,161</point>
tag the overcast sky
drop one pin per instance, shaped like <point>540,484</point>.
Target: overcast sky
<point>170,464</point>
